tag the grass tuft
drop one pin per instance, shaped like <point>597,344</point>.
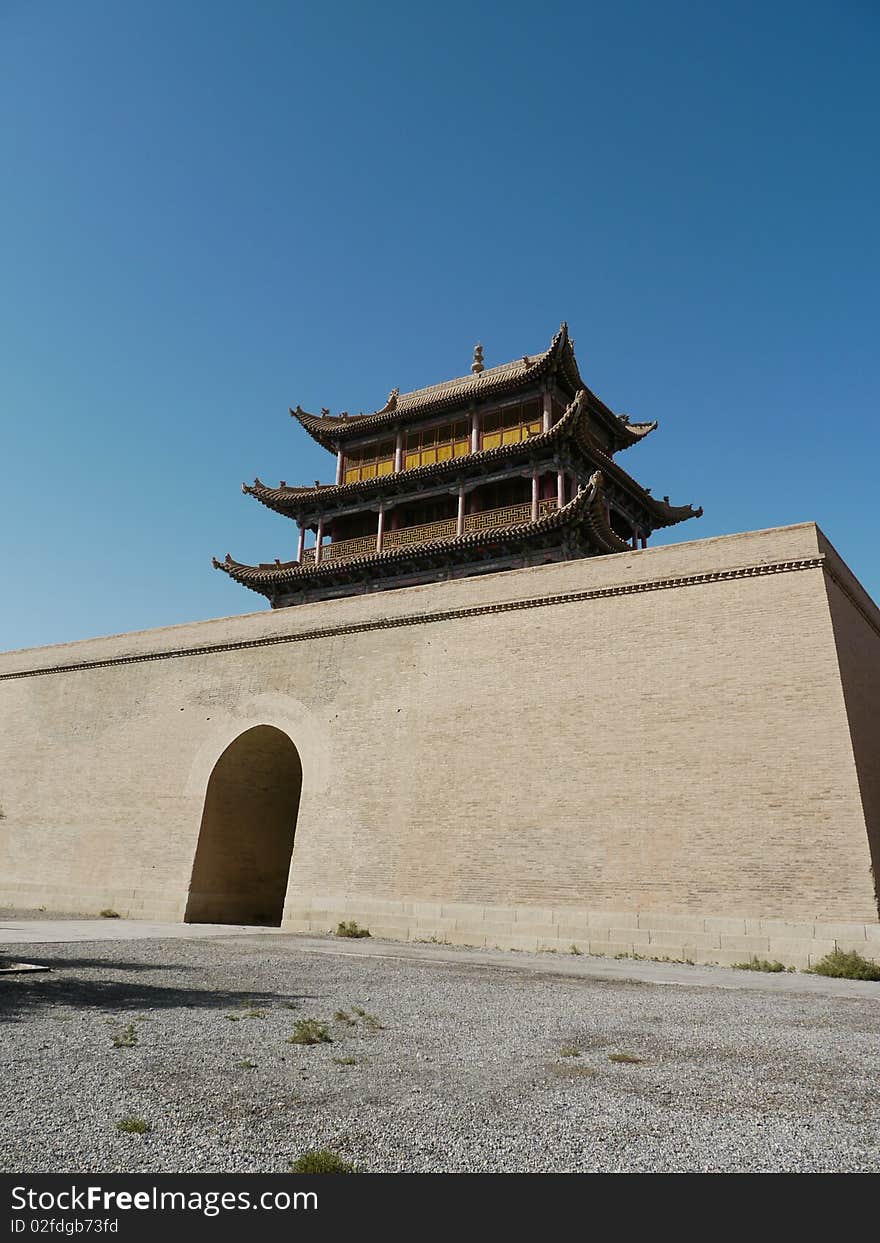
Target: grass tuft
<point>369,1020</point>
<point>345,1061</point>
<point>759,964</point>
<point>133,1126</point>
<point>321,1161</point>
<point>627,1059</point>
<point>351,929</point>
<point>108,913</point>
<point>847,966</point>
<point>570,1050</point>
<point>126,1037</point>
<point>571,1070</point>
<point>309,1031</point>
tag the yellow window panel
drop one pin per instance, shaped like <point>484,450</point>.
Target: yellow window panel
<point>444,453</point>
<point>461,448</point>
<point>368,472</point>
<point>386,467</point>
<point>510,436</point>
<point>492,441</point>
<point>352,476</point>
<point>411,461</point>
<point>429,456</point>
<point>535,428</point>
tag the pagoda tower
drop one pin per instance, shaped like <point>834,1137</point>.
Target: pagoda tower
<point>507,467</point>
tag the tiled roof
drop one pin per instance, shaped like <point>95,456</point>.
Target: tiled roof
<point>574,424</point>
<point>290,501</point>
<point>663,514</point>
<point>587,510</point>
<point>332,430</point>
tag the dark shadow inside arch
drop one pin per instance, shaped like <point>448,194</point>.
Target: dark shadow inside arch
<point>246,837</point>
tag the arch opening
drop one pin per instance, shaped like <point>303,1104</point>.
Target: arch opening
<point>245,844</point>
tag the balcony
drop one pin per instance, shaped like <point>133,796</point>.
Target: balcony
<point>426,533</point>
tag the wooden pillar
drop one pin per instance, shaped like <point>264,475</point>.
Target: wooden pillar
<point>635,538</point>
<point>475,432</point>
<point>644,540</point>
<point>302,542</point>
<point>380,528</point>
<point>535,497</point>
<point>340,466</point>
<point>398,451</point>
<point>548,409</point>
<point>560,489</point>
<point>459,522</point>
<point>318,538</point>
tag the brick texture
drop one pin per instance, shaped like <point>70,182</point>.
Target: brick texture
<point>682,760</point>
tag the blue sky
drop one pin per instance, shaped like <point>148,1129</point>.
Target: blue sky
<point>212,213</point>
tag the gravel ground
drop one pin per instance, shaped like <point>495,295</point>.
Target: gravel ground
<point>466,1073</point>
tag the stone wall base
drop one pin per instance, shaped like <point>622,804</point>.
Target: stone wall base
<point>721,940</point>
<point>711,939</point>
<point>78,900</point>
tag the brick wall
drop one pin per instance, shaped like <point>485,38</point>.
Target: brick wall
<point>658,733</point>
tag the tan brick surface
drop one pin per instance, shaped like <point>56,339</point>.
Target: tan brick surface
<point>724,923</point>
<point>656,922</point>
<point>667,936</point>
<point>747,945</point>
<point>610,949</point>
<point>786,951</point>
<point>779,928</point>
<point>442,768</point>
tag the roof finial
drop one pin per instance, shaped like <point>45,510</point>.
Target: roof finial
<point>477,364</point>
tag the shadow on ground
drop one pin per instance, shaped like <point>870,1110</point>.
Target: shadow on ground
<point>21,995</point>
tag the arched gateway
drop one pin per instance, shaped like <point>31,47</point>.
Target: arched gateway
<point>245,842</point>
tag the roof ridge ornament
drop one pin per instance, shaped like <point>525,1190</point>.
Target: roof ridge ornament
<point>477,364</point>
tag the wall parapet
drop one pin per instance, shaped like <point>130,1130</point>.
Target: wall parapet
<point>430,618</point>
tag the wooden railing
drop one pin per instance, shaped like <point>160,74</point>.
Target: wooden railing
<point>444,529</point>
<point>509,516</point>
<point>427,532</point>
<point>339,550</point>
